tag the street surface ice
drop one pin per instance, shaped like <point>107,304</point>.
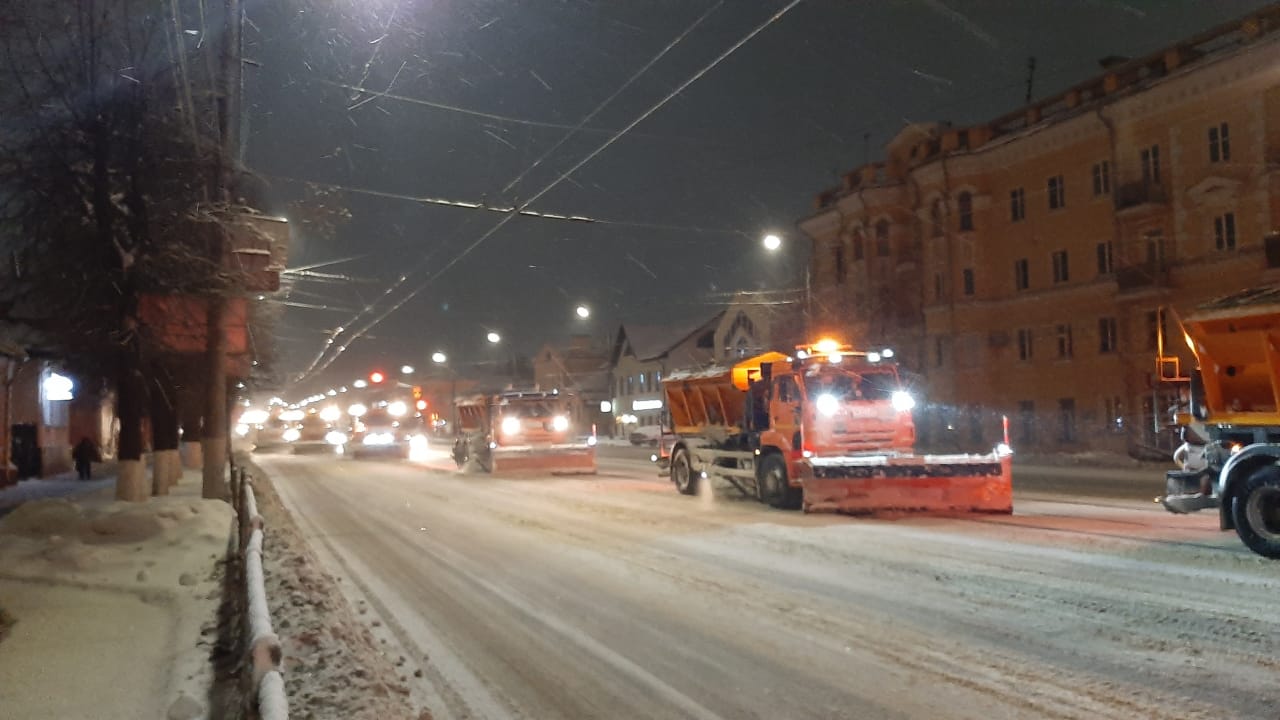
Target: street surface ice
<point>115,605</point>
<point>615,597</point>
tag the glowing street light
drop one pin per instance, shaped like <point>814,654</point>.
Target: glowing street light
<point>438,357</point>
<point>772,242</point>
<point>360,384</point>
<point>583,311</point>
<point>493,337</point>
<point>406,369</point>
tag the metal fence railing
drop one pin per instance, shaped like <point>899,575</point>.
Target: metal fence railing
<point>265,655</point>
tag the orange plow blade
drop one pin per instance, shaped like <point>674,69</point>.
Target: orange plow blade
<point>555,460</point>
<point>929,483</point>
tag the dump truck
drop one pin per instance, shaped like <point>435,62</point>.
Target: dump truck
<point>522,431</point>
<point>1234,394</point>
<point>826,429</point>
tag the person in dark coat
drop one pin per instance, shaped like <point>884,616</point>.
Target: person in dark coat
<point>85,455</point>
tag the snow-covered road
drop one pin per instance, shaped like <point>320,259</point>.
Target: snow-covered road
<point>614,597</point>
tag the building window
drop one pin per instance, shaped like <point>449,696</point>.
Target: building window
<point>840,268</point>
<point>1017,204</point>
<point>1113,414</point>
<point>1151,165</point>
<point>1026,348</point>
<point>1104,258</point>
<point>631,385</point>
<point>962,140</point>
<point>1026,422</point>
<point>1224,231</point>
<point>1057,192</point>
<point>1021,274</point>
<point>938,355</point>
<point>964,206</point>
<point>1067,418</point>
<point>967,274</point>
<point>644,385</point>
<point>1102,178</point>
<point>1060,271</point>
<point>1155,333</point>
<point>935,217</point>
<point>882,238</point>
<point>1219,144</point>
<point>858,250</point>
<point>1064,342</point>
<point>1107,335</point>
<point>937,286</point>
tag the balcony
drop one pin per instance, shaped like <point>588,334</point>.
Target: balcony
<point>1140,197</point>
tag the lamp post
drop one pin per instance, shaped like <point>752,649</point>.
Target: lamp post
<point>773,243</point>
<point>439,358</point>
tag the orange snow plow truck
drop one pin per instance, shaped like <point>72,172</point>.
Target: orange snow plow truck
<point>521,431</point>
<point>826,430</point>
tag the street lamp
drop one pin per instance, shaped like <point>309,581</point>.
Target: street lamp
<point>439,358</point>
<point>406,369</point>
<point>360,384</point>
<point>493,337</point>
<point>583,311</point>
<point>772,242</point>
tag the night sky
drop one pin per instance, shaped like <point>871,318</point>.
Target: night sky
<point>683,198</point>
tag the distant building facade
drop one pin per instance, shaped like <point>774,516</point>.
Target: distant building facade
<point>582,369</point>
<point>1020,266</point>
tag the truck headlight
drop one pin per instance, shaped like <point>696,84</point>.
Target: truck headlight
<point>902,400</point>
<point>510,425</point>
<point>827,404</point>
<point>334,437</point>
<point>377,439</point>
<point>559,423</point>
<point>291,435</point>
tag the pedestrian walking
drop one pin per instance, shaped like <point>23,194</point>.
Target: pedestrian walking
<point>85,455</point>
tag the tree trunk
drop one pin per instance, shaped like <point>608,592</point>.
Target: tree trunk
<point>215,409</point>
<point>164,432</point>
<point>131,482</point>
<point>191,409</point>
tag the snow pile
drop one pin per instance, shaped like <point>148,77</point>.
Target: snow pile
<point>115,597</point>
<point>333,666</point>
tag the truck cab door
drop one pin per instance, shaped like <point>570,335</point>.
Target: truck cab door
<point>784,410</point>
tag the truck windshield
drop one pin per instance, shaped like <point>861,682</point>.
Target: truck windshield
<point>849,386</point>
<point>529,410</point>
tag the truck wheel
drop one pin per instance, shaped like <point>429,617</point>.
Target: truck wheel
<point>682,473</point>
<point>1256,512</point>
<point>773,485</point>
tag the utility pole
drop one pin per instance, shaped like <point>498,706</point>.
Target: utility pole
<point>214,441</point>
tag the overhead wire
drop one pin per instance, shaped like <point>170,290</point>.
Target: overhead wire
<point>322,364</point>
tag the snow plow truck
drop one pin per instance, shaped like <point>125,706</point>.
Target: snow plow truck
<point>521,431</point>
<point>1234,393</point>
<point>826,429</point>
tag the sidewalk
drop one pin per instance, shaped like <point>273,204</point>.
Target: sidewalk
<point>64,485</point>
<point>111,601</point>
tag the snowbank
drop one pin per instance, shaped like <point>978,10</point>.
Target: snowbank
<point>110,602</point>
<point>333,666</point>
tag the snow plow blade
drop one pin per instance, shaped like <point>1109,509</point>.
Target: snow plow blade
<point>928,483</point>
<point>554,460</point>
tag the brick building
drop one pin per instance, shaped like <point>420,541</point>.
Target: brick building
<point>1020,266</point>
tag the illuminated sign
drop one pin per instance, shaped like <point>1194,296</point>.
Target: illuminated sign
<point>638,405</point>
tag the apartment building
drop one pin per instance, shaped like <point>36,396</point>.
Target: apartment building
<point>1031,266</point>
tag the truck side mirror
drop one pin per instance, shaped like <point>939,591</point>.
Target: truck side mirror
<point>1199,410</point>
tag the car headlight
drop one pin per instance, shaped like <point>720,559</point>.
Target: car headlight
<point>291,435</point>
<point>334,437</point>
<point>379,439</point>
<point>559,423</point>
<point>242,429</point>
<point>591,441</point>
<point>902,400</point>
<point>827,404</point>
<point>397,409</point>
<point>510,425</point>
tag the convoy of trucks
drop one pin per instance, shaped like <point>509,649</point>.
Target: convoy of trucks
<point>518,431</point>
<point>824,429</point>
<point>1234,395</point>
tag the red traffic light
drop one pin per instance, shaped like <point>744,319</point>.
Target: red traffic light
<point>376,377</point>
